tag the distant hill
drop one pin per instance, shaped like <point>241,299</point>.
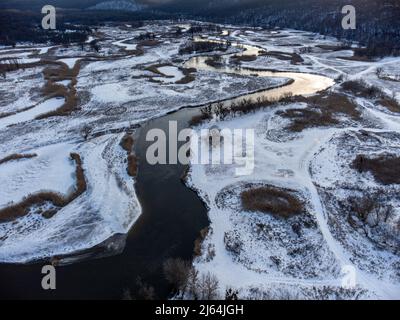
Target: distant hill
<point>119,5</point>
<point>36,5</point>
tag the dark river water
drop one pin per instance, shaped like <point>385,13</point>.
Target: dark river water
<point>172,218</point>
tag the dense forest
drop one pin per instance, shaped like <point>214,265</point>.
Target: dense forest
<point>72,25</point>
<point>378,23</point>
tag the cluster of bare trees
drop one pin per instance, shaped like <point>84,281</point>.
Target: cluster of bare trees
<point>376,220</point>
<point>244,106</point>
<point>188,283</point>
<point>203,47</point>
<point>7,65</point>
<point>143,291</point>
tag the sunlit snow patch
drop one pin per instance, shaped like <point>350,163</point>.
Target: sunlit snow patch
<point>51,170</point>
<point>42,108</point>
<point>70,62</point>
<point>173,74</point>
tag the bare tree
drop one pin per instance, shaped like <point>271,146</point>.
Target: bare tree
<point>145,291</point>
<point>193,287</point>
<point>231,294</point>
<point>126,295</point>
<point>177,273</point>
<point>209,286</point>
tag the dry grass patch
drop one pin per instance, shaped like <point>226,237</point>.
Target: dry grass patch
<point>70,104</point>
<point>132,165</point>
<point>21,209</point>
<point>271,200</point>
<point>52,89</point>
<point>127,144</point>
<point>149,43</point>
<point>13,64</point>
<point>385,168</point>
<point>294,58</point>
<point>155,68</point>
<point>189,77</point>
<point>244,58</point>
<point>361,88</point>
<point>199,242</point>
<point>307,118</point>
<point>333,47</point>
<point>187,72</point>
<point>17,156</point>
<point>6,114</point>
<point>322,111</point>
<point>391,104</point>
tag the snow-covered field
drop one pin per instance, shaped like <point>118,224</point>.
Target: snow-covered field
<point>303,257</point>
<point>50,169</point>
<point>260,255</point>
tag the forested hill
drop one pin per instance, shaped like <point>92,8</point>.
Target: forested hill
<point>378,23</point>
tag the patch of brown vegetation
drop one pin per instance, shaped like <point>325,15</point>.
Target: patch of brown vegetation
<point>333,47</point>
<point>81,185</point>
<point>244,58</point>
<point>307,118</point>
<point>199,241</point>
<point>149,43</point>
<point>132,165</point>
<point>358,58</point>
<point>294,58</point>
<point>21,209</point>
<point>13,64</point>
<point>270,200</point>
<point>17,156</point>
<point>8,66</point>
<point>361,88</point>
<point>154,68</point>
<point>52,89</point>
<point>127,143</point>
<point>360,54</point>
<point>6,114</point>
<point>188,73</point>
<point>390,103</point>
<point>189,77</point>
<point>385,168</point>
<point>321,111</point>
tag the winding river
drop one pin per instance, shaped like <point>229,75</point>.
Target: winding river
<point>172,217</point>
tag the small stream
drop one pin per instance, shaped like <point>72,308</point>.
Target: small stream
<point>172,217</point>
